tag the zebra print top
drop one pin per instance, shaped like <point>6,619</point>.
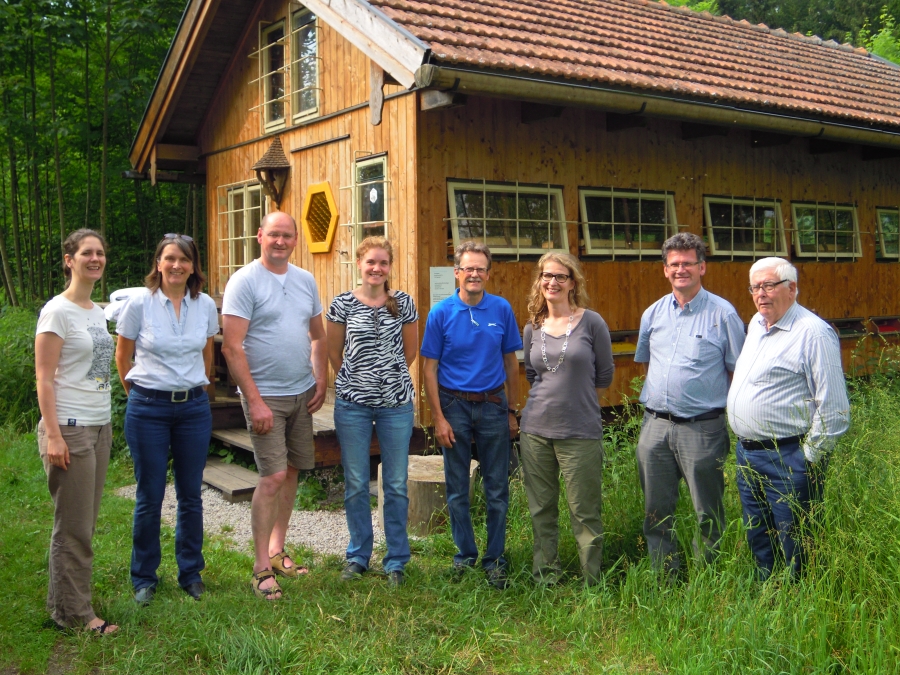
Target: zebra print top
<point>374,372</point>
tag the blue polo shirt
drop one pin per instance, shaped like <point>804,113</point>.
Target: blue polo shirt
<point>469,342</point>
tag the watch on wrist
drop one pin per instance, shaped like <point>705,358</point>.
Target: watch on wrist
<point>512,411</point>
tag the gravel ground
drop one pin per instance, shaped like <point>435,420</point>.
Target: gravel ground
<point>325,532</point>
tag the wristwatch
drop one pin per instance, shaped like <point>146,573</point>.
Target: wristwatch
<point>513,411</point>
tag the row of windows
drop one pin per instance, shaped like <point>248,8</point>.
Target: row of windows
<point>516,219</point>
<point>288,78</point>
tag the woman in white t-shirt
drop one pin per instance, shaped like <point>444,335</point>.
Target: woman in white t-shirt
<point>72,350</point>
<point>169,331</point>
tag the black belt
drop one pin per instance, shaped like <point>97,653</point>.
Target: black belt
<point>179,396</point>
<point>770,444</point>
<point>711,415</point>
<point>476,397</point>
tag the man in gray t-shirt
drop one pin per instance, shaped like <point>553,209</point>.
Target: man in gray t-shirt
<point>274,342</point>
<point>691,340</point>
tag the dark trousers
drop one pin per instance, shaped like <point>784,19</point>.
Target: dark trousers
<point>778,489</point>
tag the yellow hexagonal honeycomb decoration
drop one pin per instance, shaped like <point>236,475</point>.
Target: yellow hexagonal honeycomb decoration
<point>319,217</point>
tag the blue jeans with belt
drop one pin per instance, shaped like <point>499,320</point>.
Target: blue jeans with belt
<point>778,488</point>
<point>353,425</point>
<point>154,428</point>
<point>488,425</point>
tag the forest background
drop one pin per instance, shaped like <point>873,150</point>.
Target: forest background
<point>75,77</point>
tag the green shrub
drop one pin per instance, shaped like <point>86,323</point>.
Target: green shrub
<point>18,400</point>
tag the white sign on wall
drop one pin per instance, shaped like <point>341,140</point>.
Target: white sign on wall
<point>443,284</point>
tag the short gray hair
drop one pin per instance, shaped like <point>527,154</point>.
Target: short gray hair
<point>471,246</point>
<point>782,268</point>
<point>684,241</point>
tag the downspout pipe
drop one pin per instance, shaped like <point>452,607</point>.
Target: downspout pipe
<point>524,88</point>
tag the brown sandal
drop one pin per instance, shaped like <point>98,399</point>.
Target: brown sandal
<point>277,562</point>
<point>271,593</point>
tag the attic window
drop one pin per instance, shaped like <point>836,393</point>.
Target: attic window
<point>825,231</point>
<point>626,222</point>
<point>887,242</point>
<point>272,64</point>
<point>304,64</point>
<point>744,226</point>
<point>513,219</point>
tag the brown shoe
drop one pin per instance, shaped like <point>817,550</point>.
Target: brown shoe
<point>271,593</point>
<point>278,566</point>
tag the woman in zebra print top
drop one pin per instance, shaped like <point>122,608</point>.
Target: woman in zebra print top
<point>372,338</point>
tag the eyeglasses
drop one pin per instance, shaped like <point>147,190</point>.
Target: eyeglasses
<point>560,278</point>
<point>681,265</point>
<point>767,286</point>
<point>175,235</point>
<point>480,271</point>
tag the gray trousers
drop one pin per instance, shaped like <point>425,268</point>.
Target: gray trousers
<point>76,494</point>
<point>667,452</point>
<point>581,463</point>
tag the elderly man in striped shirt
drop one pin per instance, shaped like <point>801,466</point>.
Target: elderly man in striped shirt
<point>788,406</point>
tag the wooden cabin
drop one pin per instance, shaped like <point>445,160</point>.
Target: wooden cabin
<point>597,127</point>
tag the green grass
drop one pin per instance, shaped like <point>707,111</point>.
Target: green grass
<point>842,617</point>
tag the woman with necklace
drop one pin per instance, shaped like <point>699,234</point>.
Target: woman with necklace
<point>569,362</point>
<point>169,331</point>
<point>373,336</point>
<point>72,352</point>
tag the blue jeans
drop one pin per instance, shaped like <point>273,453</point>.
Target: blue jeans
<point>153,428</point>
<point>353,424</point>
<point>777,489</point>
<point>488,425</point>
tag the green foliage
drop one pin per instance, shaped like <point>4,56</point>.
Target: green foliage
<point>18,399</point>
<point>711,6</point>
<point>886,41</point>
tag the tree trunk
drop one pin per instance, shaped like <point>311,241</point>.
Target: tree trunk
<point>8,282</point>
<point>105,135</point>
<point>59,188</point>
<point>36,179</point>
<point>87,121</point>
<point>14,202</point>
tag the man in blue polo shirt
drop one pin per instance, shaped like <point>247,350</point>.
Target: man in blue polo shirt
<point>471,371</point>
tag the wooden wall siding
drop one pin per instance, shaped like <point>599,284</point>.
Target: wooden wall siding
<point>343,77</point>
<point>486,139</point>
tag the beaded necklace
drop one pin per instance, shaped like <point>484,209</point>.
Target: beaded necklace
<point>562,354</point>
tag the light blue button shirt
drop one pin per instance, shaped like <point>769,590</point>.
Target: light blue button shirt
<point>168,350</point>
<point>690,352</point>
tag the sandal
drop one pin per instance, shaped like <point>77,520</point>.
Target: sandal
<point>278,566</point>
<point>103,629</point>
<point>271,593</point>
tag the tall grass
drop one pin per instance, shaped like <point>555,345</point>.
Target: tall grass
<point>18,402</point>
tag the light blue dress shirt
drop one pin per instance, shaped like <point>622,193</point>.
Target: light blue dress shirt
<point>690,352</point>
<point>168,352</point>
<point>789,382</point>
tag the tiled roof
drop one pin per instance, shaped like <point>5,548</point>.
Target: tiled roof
<point>651,46</point>
<point>274,157</point>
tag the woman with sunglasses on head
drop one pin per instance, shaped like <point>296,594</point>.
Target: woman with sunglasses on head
<point>72,352</point>
<point>569,362</point>
<point>168,330</point>
<point>373,336</point>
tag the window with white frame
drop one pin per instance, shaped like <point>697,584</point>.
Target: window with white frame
<point>304,64</point>
<point>825,231</point>
<point>370,203</point>
<point>272,64</point>
<point>626,222</point>
<point>512,219</point>
<point>241,210</point>
<point>744,226</point>
<point>887,241</point>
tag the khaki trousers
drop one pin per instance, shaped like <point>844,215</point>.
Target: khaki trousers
<point>581,463</point>
<point>76,494</point>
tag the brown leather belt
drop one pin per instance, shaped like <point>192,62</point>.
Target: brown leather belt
<point>711,415</point>
<point>476,397</point>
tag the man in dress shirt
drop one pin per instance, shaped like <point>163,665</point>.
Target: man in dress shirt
<point>788,406</point>
<point>471,382</point>
<point>691,339</point>
<point>274,342</point>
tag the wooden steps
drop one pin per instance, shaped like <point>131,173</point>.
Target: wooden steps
<point>235,482</point>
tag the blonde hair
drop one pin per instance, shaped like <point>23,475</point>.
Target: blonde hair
<point>367,245</point>
<point>578,297</point>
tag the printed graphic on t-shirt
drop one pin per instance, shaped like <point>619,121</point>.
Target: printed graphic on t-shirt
<point>103,351</point>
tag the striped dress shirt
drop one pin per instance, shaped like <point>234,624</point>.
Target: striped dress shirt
<point>788,381</point>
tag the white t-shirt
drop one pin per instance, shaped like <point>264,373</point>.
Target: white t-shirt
<point>277,344</point>
<point>81,382</point>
